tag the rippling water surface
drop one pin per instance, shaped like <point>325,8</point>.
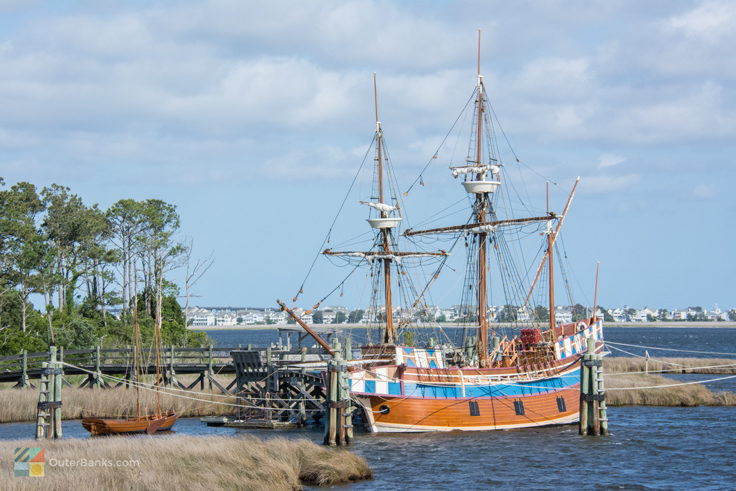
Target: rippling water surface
<point>649,447</point>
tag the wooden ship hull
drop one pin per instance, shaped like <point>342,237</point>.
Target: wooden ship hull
<point>145,424</point>
<point>420,394</point>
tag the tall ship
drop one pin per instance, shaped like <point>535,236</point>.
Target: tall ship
<point>493,368</point>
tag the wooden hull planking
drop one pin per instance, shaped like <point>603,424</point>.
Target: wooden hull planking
<point>397,414</point>
<point>146,424</point>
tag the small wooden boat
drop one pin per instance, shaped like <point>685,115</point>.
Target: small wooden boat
<point>151,423</point>
<point>148,424</point>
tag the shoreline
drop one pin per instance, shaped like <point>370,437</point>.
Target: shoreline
<point>608,325</point>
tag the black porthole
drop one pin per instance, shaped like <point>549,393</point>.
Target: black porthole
<point>519,407</point>
<point>384,409</point>
<point>474,409</point>
<point>561,406</point>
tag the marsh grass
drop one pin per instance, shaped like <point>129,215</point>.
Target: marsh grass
<point>18,405</point>
<point>620,364</point>
<point>681,395</point>
<point>185,462</point>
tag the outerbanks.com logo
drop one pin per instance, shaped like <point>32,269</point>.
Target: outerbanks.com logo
<point>31,462</point>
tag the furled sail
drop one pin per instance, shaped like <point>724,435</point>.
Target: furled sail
<point>382,207</point>
<point>475,169</point>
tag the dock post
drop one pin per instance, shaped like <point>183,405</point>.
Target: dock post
<point>48,415</point>
<point>23,380</point>
<point>334,422</point>
<point>593,418</point>
<point>97,377</point>
<point>58,377</point>
<point>210,372</point>
<point>346,422</point>
<point>348,350</point>
<point>172,373</point>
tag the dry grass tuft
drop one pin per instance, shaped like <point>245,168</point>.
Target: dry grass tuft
<point>184,462</point>
<point>682,395</point>
<point>618,364</point>
<point>20,404</point>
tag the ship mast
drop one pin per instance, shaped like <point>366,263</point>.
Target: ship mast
<point>389,335</point>
<point>550,258</point>
<point>481,205</point>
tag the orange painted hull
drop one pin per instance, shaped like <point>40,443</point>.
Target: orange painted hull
<point>392,414</point>
<point>145,424</point>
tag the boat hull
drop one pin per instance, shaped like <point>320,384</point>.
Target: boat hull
<point>145,424</point>
<point>473,414</point>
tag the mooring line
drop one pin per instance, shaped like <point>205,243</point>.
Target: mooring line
<point>671,385</point>
<point>671,349</point>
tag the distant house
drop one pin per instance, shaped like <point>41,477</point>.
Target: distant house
<point>563,314</point>
<point>643,315</point>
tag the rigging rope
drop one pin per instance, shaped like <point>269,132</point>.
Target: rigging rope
<point>434,156</point>
<point>670,349</point>
<point>327,237</point>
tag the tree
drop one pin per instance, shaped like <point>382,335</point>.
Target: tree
<point>607,317</point>
<point>126,223</point>
<point>356,316</point>
<point>317,317</point>
<point>579,312</point>
<point>339,317</point>
<point>541,313</point>
<point>76,234</point>
<point>22,245</point>
<point>509,313</point>
<point>194,273</point>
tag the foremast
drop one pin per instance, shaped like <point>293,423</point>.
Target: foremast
<point>389,334</point>
<point>384,224</point>
<point>481,205</point>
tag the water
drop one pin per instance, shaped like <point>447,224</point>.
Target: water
<point>649,447</point>
<point>704,339</point>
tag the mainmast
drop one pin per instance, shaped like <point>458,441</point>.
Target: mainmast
<point>389,335</point>
<point>481,205</point>
<point>550,256</point>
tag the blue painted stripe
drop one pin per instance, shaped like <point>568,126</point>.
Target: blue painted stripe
<point>370,386</point>
<point>499,390</point>
<point>394,388</point>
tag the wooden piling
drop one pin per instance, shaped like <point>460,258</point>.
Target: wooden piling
<point>593,417</point>
<point>338,419</point>
<point>48,415</point>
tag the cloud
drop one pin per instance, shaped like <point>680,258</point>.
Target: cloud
<point>704,191</point>
<point>709,20</point>
<point>609,160</point>
<point>608,184</point>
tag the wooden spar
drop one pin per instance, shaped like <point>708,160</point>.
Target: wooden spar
<point>330,252</point>
<point>304,326</point>
<point>554,238</point>
<point>481,201</point>
<point>550,254</point>
<point>470,226</point>
<point>157,335</point>
<point>595,292</point>
<point>389,335</point>
<point>137,340</point>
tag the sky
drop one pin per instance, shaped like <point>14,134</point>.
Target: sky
<point>252,118</point>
